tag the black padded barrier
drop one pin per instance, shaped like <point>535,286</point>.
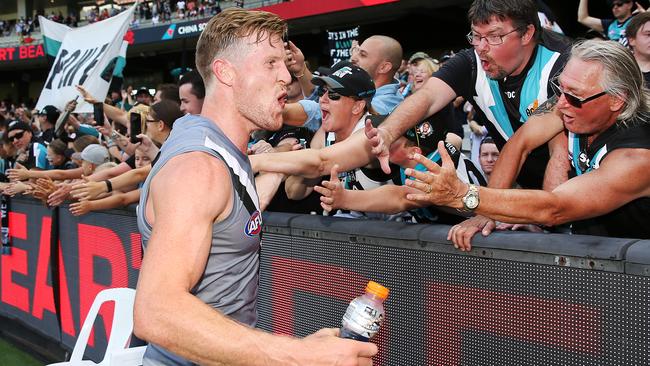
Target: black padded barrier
<point>514,299</point>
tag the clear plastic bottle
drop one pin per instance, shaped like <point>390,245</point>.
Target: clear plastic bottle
<point>365,314</point>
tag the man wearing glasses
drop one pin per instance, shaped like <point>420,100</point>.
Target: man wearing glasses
<point>614,29</point>
<point>506,77</point>
<point>602,112</point>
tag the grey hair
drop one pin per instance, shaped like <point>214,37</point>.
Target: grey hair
<point>621,78</point>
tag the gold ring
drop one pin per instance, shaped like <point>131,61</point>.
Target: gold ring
<point>429,188</point>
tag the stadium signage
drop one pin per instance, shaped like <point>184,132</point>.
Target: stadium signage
<point>21,53</point>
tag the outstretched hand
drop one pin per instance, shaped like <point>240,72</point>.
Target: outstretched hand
<point>332,191</point>
<point>86,95</point>
<point>86,190</point>
<point>440,184</point>
<point>18,173</point>
<point>380,141</point>
<point>294,59</point>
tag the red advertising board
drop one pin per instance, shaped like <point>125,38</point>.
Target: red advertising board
<point>20,53</point>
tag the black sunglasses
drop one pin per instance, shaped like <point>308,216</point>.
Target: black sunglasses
<point>17,136</point>
<point>617,3</point>
<point>330,93</point>
<point>572,99</point>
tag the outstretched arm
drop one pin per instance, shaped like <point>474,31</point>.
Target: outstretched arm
<point>114,201</point>
<point>349,154</point>
<point>585,19</point>
<point>55,174</point>
<point>91,190</point>
<point>335,196</point>
<point>434,95</point>
<point>564,204</point>
<point>543,126</point>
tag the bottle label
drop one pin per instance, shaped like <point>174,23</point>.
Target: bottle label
<point>362,319</point>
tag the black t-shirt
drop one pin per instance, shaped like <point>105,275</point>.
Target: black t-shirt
<point>460,73</point>
<point>630,220</point>
<point>47,136</point>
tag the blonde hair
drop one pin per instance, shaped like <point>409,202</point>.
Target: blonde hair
<point>224,33</point>
<point>105,166</point>
<point>428,64</point>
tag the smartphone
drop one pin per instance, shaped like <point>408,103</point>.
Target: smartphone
<point>135,127</point>
<point>98,110</point>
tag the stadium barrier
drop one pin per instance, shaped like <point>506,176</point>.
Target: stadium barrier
<point>515,299</point>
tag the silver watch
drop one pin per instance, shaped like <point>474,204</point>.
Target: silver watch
<point>471,200</point>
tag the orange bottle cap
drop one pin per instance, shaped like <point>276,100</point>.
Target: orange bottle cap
<point>377,290</point>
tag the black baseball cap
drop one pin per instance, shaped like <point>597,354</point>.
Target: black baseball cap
<point>18,125</point>
<point>143,90</point>
<point>50,112</point>
<point>348,80</point>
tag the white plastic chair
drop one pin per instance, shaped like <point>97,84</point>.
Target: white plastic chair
<point>117,351</point>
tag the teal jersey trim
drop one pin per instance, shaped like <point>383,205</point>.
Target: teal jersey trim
<point>616,31</point>
<point>434,156</point>
<point>530,89</point>
<point>499,108</point>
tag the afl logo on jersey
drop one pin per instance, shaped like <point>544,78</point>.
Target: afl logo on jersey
<point>254,224</point>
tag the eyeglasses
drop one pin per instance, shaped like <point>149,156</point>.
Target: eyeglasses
<point>17,136</point>
<point>617,4</point>
<point>572,99</point>
<point>150,120</point>
<point>493,40</point>
<point>330,93</point>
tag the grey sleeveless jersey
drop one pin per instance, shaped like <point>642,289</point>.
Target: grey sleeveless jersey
<point>230,280</point>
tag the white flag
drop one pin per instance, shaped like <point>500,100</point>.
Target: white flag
<point>87,57</point>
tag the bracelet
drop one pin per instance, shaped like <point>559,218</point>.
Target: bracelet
<point>109,186</point>
<point>301,75</point>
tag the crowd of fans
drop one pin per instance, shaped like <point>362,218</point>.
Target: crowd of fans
<point>99,165</point>
<point>152,11</point>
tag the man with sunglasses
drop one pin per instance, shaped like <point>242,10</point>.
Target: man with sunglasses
<point>614,29</point>
<point>505,76</point>
<point>602,112</point>
<point>34,153</point>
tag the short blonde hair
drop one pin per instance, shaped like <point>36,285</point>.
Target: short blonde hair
<point>224,32</point>
<point>428,64</point>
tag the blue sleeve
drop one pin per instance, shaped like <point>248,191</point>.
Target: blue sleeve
<point>387,102</point>
<point>40,157</point>
<point>85,129</point>
<point>314,115</point>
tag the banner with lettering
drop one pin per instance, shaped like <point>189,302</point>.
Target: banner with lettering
<point>87,56</point>
<point>340,43</point>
